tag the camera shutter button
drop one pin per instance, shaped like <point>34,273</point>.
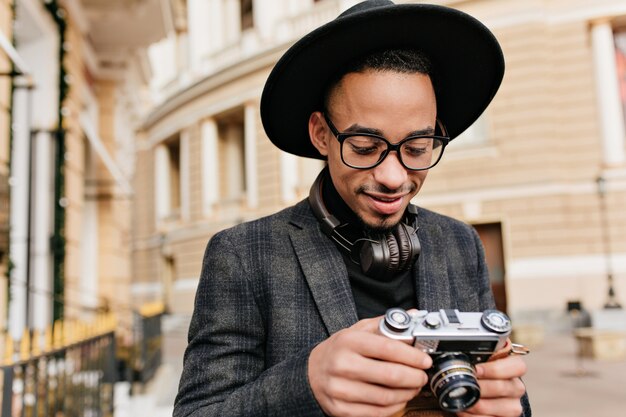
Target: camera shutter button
<point>432,322</point>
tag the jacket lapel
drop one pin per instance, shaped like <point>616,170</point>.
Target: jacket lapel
<point>324,270</point>
<point>431,280</point>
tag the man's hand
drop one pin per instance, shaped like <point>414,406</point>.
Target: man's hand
<point>358,372</point>
<point>500,388</point>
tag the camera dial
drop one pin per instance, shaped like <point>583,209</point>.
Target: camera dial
<point>496,321</point>
<point>396,319</point>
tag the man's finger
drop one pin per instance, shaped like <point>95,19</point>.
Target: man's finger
<point>495,388</point>
<point>360,392</point>
<point>505,368</point>
<point>384,373</point>
<point>385,349</point>
<point>501,407</point>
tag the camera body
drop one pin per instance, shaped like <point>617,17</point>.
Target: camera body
<point>478,335</point>
<point>456,341</point>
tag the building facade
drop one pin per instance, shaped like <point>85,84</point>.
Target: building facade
<point>541,175</point>
<point>6,33</point>
<point>75,91</point>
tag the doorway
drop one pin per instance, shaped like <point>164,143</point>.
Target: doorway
<point>491,237</point>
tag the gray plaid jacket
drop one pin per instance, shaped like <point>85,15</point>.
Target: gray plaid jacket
<point>271,289</point>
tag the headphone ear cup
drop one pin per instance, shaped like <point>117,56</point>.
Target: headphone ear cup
<point>395,252</point>
<point>413,245</point>
<point>403,238</point>
<point>373,257</point>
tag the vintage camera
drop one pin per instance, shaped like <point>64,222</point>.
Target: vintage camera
<point>455,341</point>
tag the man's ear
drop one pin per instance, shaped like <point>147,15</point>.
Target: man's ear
<point>318,132</point>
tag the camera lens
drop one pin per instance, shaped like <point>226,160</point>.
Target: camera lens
<point>453,381</point>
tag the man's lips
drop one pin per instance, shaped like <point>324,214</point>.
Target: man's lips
<point>386,204</point>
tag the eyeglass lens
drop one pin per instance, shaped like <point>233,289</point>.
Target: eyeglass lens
<point>367,151</point>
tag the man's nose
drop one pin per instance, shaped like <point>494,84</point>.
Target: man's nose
<point>390,172</point>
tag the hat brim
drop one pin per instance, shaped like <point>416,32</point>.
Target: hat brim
<point>467,60</point>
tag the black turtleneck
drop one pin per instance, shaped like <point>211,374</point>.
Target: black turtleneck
<point>372,295</point>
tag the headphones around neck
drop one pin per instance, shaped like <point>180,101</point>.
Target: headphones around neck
<point>379,257</point>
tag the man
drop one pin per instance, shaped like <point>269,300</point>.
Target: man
<point>287,308</point>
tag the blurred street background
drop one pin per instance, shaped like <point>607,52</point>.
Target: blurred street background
<point>560,382</point>
<point>130,134</point>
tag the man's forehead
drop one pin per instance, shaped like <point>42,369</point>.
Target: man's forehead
<point>346,83</point>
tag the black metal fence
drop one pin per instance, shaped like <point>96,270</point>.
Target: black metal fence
<point>148,353</point>
<point>75,380</point>
<point>72,370</point>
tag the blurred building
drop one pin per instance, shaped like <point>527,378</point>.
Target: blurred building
<point>73,90</point>
<point>6,30</point>
<point>526,174</point>
<point>125,158</point>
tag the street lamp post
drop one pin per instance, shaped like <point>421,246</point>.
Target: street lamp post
<point>611,302</point>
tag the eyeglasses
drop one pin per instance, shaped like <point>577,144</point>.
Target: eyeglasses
<point>363,150</point>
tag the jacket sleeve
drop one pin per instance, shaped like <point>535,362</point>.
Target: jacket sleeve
<point>486,301</point>
<point>224,370</point>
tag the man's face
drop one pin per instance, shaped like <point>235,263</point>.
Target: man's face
<point>391,104</point>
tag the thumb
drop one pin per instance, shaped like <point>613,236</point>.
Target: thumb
<point>371,325</point>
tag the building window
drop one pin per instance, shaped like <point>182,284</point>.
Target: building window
<point>246,15</point>
<point>231,151</point>
<point>475,135</point>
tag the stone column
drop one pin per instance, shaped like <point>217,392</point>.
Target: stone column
<point>184,186</point>
<point>210,168</point>
<point>20,178</point>
<point>231,19</point>
<point>215,24</point>
<point>609,103</point>
<point>250,146</point>
<point>162,188</point>
<point>266,15</point>
<point>43,198</point>
<point>289,177</point>
<point>200,26</point>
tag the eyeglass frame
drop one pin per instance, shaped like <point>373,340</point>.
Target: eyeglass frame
<point>342,136</point>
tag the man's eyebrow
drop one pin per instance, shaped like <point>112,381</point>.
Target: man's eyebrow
<point>357,128</point>
<point>426,131</point>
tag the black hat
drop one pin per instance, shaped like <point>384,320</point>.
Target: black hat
<point>467,63</point>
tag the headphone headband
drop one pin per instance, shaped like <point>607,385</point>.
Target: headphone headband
<point>394,252</point>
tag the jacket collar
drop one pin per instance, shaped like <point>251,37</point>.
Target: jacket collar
<point>431,272</point>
